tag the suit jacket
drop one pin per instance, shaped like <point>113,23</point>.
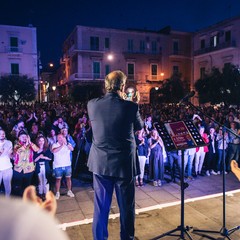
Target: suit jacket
<point>114,121</point>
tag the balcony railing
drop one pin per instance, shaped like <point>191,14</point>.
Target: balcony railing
<point>13,49</point>
<point>102,50</point>
<point>154,78</point>
<point>133,78</point>
<point>87,77</point>
<point>220,46</point>
<point>99,77</point>
<point>147,51</point>
<point>180,53</point>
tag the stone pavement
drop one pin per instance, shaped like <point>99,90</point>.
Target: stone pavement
<point>75,213</point>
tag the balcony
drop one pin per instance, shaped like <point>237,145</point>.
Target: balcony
<point>133,78</point>
<point>87,77</point>
<point>71,51</point>
<point>148,53</point>
<point>179,53</point>
<point>155,78</point>
<point>13,50</point>
<point>220,46</point>
<point>97,77</point>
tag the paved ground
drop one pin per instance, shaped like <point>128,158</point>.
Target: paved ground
<point>157,208</point>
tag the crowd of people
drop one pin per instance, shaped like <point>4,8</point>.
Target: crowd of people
<point>43,144</point>
<point>219,128</point>
<point>36,146</point>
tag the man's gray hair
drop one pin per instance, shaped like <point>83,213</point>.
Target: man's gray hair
<point>114,81</point>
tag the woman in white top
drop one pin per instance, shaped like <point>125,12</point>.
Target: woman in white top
<point>6,171</point>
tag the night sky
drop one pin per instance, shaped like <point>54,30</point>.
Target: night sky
<point>55,20</point>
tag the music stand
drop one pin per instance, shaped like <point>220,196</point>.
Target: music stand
<point>179,135</point>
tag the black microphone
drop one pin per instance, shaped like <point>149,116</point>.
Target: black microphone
<point>189,95</point>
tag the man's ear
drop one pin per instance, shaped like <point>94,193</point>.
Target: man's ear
<point>123,88</point>
<point>50,204</point>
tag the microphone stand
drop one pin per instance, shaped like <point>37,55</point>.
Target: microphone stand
<point>223,231</point>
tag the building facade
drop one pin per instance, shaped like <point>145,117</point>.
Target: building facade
<point>18,51</point>
<point>147,57</point>
<point>216,46</point>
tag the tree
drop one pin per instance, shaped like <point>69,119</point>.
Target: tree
<point>173,89</point>
<point>81,93</point>
<point>16,89</point>
<point>218,87</point>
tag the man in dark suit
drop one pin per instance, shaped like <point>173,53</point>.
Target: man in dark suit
<point>113,157</point>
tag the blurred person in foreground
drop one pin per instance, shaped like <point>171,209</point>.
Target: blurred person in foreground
<point>113,157</point>
<point>30,218</point>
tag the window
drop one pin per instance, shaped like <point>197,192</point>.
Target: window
<point>214,40</point>
<point>13,44</point>
<point>130,45</point>
<point>96,70</point>
<point>142,46</point>
<point>175,47</point>
<point>154,69</point>
<point>175,69</point>
<point>107,69</point>
<point>15,68</point>
<point>202,43</point>
<point>94,43</point>
<point>228,36</point>
<point>202,72</point>
<point>107,43</point>
<point>130,70</point>
<point>154,46</point>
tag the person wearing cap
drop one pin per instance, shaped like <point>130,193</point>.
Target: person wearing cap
<point>113,156</point>
<point>23,163</point>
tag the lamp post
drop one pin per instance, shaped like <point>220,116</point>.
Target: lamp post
<point>54,92</point>
<point>39,66</point>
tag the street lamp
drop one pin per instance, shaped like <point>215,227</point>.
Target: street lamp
<point>39,66</point>
<point>110,57</point>
<point>54,89</point>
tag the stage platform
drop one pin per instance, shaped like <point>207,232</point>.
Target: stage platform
<point>158,209</point>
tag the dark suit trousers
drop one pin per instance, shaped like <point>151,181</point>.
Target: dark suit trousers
<point>125,193</point>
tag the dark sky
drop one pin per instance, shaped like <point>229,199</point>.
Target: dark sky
<point>56,19</point>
